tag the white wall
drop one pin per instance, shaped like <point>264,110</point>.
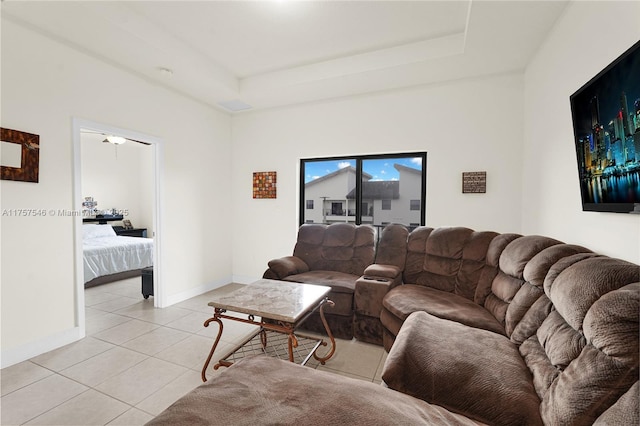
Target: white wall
<point>119,177</point>
<point>588,37</point>
<point>471,125</point>
<point>44,86</point>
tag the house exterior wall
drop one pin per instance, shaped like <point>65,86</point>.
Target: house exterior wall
<point>410,189</point>
<point>323,193</point>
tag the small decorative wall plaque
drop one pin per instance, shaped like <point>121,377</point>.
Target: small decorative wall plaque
<point>474,182</point>
<point>26,164</point>
<point>264,185</point>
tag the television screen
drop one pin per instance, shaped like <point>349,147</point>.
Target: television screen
<point>606,126</point>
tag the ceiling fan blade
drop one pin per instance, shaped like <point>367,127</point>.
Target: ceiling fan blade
<point>105,134</point>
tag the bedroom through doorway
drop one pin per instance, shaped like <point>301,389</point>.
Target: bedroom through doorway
<point>117,180</point>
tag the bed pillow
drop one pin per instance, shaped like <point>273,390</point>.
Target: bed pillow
<point>97,231</point>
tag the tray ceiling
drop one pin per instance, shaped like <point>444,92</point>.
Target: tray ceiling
<point>261,54</point>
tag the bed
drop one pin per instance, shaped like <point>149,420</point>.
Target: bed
<point>108,257</point>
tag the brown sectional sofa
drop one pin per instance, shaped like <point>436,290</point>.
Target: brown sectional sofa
<point>481,328</point>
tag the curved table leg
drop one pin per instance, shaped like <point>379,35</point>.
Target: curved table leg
<point>263,338</point>
<point>292,342</point>
<point>328,330</point>
<point>213,348</point>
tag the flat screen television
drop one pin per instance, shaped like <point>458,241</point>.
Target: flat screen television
<point>606,127</point>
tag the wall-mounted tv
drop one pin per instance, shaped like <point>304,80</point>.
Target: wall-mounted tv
<point>606,127</point>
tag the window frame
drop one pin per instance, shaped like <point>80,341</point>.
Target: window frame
<point>358,180</point>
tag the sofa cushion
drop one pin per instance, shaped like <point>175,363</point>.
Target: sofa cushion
<point>534,273</point>
<point>264,390</point>
<point>467,370</point>
<point>338,281</point>
<point>408,298</point>
<point>342,247</point>
<point>606,367</point>
<point>342,288</point>
<point>509,278</point>
<point>626,411</point>
<point>490,269</point>
<point>434,256</point>
<point>520,251</point>
<point>286,266</point>
<point>584,353</point>
<point>392,246</point>
<point>383,271</point>
<point>451,259</point>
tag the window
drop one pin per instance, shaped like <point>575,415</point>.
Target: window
<point>374,189</point>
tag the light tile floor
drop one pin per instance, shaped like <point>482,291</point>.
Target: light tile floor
<point>136,361</point>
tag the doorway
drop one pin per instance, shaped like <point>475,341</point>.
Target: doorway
<point>84,127</point>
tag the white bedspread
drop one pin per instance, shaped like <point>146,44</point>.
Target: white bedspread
<point>106,255</point>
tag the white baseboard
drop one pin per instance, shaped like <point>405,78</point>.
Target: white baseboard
<point>197,291</point>
<point>29,350</point>
<point>244,279</point>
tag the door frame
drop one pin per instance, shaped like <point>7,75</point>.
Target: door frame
<point>157,144</point>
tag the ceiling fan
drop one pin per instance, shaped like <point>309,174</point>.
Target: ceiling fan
<point>112,139</point>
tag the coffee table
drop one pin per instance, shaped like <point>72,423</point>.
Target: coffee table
<point>281,305</point>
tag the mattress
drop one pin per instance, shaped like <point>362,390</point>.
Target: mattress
<point>105,253</point>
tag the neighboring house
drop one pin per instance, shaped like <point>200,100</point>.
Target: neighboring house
<point>326,197</point>
<point>331,198</point>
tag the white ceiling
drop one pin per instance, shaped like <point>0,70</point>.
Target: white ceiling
<point>274,53</point>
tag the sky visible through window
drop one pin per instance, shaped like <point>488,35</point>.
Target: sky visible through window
<point>381,169</point>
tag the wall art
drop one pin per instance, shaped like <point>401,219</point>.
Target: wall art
<point>264,185</point>
<point>474,182</point>
<point>24,162</point>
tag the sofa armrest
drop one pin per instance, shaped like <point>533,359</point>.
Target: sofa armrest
<point>378,270</point>
<point>369,292</point>
<point>285,266</point>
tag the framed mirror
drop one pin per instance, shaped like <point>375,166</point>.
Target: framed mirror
<point>20,155</point>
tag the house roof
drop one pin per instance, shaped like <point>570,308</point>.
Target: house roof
<point>378,190</point>
<point>401,168</point>
<point>336,173</point>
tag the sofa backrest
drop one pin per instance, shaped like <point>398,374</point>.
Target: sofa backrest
<point>517,325</point>
<point>580,338</point>
<point>341,247</point>
<point>392,246</point>
<point>503,288</point>
<point>450,259</point>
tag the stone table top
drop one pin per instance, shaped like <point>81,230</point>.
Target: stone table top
<point>277,300</point>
